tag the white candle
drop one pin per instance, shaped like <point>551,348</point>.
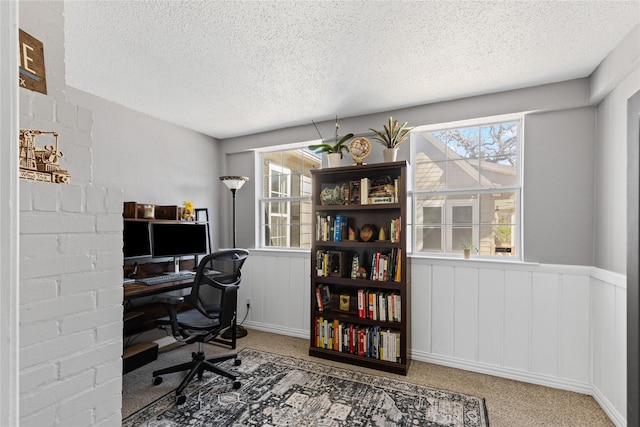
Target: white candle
<point>149,211</point>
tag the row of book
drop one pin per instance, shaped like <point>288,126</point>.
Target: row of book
<point>332,229</point>
<point>367,341</point>
<point>387,267</point>
<point>379,305</point>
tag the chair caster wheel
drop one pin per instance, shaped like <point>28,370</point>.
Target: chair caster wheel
<point>236,385</point>
<point>180,399</point>
<point>157,381</point>
<point>237,362</point>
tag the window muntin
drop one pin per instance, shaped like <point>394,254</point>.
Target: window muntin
<point>285,205</point>
<point>467,188</point>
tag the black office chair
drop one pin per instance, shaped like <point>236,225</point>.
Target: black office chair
<point>214,297</point>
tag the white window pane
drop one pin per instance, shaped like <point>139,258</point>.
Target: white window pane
<point>498,208</point>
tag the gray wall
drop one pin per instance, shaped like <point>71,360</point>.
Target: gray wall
<point>559,190</point>
<point>559,148</point>
<point>152,161</point>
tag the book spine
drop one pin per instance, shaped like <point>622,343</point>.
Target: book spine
<point>361,312</point>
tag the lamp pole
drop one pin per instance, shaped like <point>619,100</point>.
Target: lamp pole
<point>233,192</point>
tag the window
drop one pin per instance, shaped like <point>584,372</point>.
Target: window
<point>285,203</point>
<point>467,189</point>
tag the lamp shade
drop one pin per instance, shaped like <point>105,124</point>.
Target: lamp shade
<point>234,182</point>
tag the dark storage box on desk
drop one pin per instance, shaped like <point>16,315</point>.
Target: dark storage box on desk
<point>168,212</point>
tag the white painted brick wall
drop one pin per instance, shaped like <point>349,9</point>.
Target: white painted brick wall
<point>70,260</point>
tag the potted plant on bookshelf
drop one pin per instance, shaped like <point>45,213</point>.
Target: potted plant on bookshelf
<point>467,248</point>
<point>393,135</point>
<point>335,151</point>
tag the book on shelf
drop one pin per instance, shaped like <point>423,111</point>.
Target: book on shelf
<point>323,297</point>
<point>386,266</point>
<point>379,305</point>
<point>332,229</point>
<point>395,229</point>
<point>379,200</point>
<point>365,184</point>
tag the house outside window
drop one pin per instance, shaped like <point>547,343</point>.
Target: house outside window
<point>467,189</point>
<point>285,203</point>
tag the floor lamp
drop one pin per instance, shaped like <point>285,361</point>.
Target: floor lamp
<point>234,183</point>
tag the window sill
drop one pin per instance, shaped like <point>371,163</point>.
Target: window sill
<point>473,259</point>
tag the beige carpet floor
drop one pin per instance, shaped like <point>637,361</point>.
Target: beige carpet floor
<point>509,403</point>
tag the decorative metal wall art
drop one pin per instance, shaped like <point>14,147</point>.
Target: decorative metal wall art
<point>41,164</point>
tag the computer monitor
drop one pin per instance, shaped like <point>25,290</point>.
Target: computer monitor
<point>178,239</point>
<point>136,240</point>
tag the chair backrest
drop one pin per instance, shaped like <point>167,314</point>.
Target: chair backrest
<point>215,287</point>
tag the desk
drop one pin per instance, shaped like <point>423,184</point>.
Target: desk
<point>138,290</point>
<point>140,312</point>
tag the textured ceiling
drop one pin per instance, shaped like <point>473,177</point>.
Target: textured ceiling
<point>235,68</point>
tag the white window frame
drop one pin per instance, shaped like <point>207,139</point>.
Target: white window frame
<point>281,195</point>
<point>414,194</point>
<point>261,200</point>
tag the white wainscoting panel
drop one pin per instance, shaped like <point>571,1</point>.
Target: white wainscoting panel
<point>517,319</point>
<point>608,314</point>
<point>543,346</point>
<point>491,312</point>
<point>278,285</point>
<point>573,337</point>
<point>466,324</point>
<point>553,325</point>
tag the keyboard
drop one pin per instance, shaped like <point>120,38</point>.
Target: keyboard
<point>171,277</point>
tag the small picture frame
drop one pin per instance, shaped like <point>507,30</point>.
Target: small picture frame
<point>344,302</point>
<point>354,192</point>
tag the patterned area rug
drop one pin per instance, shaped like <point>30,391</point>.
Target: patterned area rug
<point>283,391</point>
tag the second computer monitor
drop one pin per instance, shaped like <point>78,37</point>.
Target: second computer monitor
<point>178,239</point>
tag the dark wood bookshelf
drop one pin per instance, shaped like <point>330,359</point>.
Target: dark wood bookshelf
<point>339,281</point>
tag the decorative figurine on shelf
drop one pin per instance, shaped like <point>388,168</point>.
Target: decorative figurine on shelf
<point>383,234</point>
<point>352,234</point>
<point>359,148</point>
<point>367,232</point>
<point>355,265</point>
<point>188,213</point>
<point>332,195</point>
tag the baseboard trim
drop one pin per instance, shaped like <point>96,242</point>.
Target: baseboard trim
<point>276,329</point>
<point>616,417</point>
<point>512,374</point>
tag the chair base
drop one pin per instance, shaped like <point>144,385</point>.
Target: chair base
<point>240,332</point>
<point>198,365</point>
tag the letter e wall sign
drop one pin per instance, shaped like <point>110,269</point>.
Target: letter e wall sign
<point>31,74</point>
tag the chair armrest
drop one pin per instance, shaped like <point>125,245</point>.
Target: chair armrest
<point>171,303</point>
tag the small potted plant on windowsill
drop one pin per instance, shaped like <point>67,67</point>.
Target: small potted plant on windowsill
<point>467,248</point>
<point>392,136</point>
<point>335,151</point>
